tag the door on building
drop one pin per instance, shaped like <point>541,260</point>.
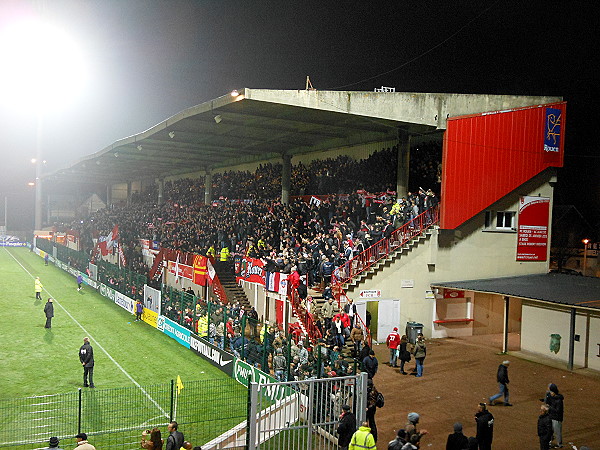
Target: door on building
<point>388,317</point>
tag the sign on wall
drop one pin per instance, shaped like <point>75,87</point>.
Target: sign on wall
<point>453,293</point>
<point>370,293</point>
<point>251,270</point>
<point>219,358</point>
<point>532,235</point>
<point>174,330</point>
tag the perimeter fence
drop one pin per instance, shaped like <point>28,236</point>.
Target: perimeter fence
<point>121,279</point>
<point>286,357</point>
<point>115,418</point>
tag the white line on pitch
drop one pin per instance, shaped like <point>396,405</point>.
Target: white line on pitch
<point>92,338</point>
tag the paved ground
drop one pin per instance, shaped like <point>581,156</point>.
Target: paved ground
<point>460,373</point>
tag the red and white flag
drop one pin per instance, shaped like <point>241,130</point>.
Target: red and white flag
<point>211,270</point>
<point>106,243</point>
<point>122,257</point>
<point>177,269</point>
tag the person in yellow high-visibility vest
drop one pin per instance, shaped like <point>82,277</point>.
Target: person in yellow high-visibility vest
<point>211,251</point>
<point>363,439</point>
<point>224,254</point>
<point>38,288</point>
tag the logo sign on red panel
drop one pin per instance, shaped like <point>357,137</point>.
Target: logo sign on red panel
<point>532,236</point>
<point>553,130</point>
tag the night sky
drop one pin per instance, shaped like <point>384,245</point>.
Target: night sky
<point>151,59</point>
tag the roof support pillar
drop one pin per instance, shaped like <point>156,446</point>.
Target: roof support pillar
<point>108,195</point>
<point>286,178</point>
<point>38,161</point>
<point>572,339</point>
<point>161,191</point>
<point>129,193</point>
<point>506,323</point>
<point>208,188</point>
<point>38,199</point>
<point>403,163</point>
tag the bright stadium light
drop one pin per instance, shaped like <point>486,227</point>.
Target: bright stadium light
<point>41,66</point>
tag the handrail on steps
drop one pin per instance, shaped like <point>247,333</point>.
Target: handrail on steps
<point>352,268</point>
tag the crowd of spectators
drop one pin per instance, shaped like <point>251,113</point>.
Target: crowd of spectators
<point>308,239</point>
<point>259,225</point>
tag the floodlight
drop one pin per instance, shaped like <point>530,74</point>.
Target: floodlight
<point>218,118</point>
<point>171,134</point>
<point>42,65</point>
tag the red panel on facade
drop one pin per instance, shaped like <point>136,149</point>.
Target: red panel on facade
<point>488,155</point>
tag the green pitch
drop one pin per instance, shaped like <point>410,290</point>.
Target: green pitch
<point>133,360</point>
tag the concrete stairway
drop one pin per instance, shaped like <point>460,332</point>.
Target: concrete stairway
<point>233,291</point>
<point>401,252</point>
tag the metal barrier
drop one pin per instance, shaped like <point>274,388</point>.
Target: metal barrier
<point>302,415</point>
<point>381,249</point>
<point>115,418</point>
<point>121,279</point>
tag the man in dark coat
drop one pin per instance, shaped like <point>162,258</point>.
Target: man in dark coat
<point>544,427</point>
<point>175,439</point>
<point>346,427</point>
<point>399,442</point>
<point>86,357</point>
<point>370,365</point>
<point>457,440</point>
<point>485,427</point>
<point>556,403</point>
<point>502,378</point>
<point>49,311</point>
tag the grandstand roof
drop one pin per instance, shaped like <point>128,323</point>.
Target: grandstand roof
<point>258,125</point>
<point>570,290</point>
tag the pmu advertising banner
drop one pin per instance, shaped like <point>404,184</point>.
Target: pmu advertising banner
<point>532,234</point>
<point>219,358</point>
<point>174,330</point>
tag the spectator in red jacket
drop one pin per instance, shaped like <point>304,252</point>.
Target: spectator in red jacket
<point>393,341</point>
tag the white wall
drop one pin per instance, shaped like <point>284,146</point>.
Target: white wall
<point>593,341</point>
<point>466,253</point>
<point>540,321</point>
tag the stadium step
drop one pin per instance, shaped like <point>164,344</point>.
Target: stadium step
<point>234,293</point>
<point>405,250</point>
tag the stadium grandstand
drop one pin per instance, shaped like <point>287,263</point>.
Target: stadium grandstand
<point>293,230</point>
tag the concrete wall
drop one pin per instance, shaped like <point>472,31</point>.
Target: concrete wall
<point>119,190</point>
<point>593,341</point>
<point>466,253</point>
<point>356,152</point>
<point>541,320</point>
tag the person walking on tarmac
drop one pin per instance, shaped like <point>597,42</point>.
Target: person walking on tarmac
<point>502,377</point>
<point>86,357</point>
<point>393,341</point>
<point>38,286</point>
